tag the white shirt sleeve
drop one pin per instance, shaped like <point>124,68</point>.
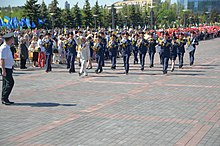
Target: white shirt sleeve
<point>3,53</point>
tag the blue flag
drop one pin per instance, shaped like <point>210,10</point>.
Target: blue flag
<point>7,19</point>
<point>33,25</point>
<point>28,23</point>
<point>22,22</point>
<point>1,22</point>
<point>15,22</point>
<point>40,21</point>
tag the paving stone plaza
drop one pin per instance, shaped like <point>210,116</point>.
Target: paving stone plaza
<point>143,108</point>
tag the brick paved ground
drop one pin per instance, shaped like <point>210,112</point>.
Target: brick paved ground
<point>141,109</point>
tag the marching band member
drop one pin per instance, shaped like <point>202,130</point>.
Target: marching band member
<point>161,39</point>
<point>142,45</point>
<point>152,50</point>
<point>71,53</point>
<point>181,49</point>
<point>99,54</point>
<point>84,55</point>
<point>48,45</point>
<point>126,51</point>
<point>165,52</point>
<point>192,41</point>
<point>113,49</point>
<point>104,44</point>
<point>135,48</point>
<point>173,52</point>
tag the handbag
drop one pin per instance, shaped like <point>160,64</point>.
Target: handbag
<point>190,48</point>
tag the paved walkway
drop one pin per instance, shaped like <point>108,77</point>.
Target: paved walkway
<point>140,109</point>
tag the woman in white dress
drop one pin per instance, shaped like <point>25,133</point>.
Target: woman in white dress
<point>84,55</point>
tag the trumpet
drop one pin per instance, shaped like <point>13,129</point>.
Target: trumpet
<point>139,42</point>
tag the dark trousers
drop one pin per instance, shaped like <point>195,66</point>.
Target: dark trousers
<point>142,59</point>
<point>135,56</point>
<point>191,56</point>
<point>113,60</point>
<point>48,63</point>
<point>23,63</point>
<point>7,84</point>
<point>151,56</point>
<point>165,61</point>
<point>71,62</point>
<point>180,56</point>
<point>99,61</point>
<point>126,62</point>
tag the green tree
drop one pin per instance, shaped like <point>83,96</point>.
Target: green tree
<point>31,10</point>
<point>96,12</point>
<point>67,18</point>
<point>57,15</point>
<point>77,15</point>
<point>87,14</point>
<point>44,14</point>
<point>106,18</point>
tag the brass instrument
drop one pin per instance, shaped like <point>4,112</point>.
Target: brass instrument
<point>139,42</point>
<point>95,47</point>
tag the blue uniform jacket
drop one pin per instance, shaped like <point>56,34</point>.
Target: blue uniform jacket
<point>181,46</point>
<point>48,47</point>
<point>165,48</point>
<point>152,44</point>
<point>143,47</point>
<point>173,49</point>
<point>126,47</point>
<point>71,47</point>
<point>113,48</point>
<point>100,50</point>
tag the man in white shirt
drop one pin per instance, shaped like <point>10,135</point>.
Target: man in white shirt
<point>6,63</point>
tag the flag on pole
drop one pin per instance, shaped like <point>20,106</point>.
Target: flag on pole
<point>33,25</point>
<point>7,19</point>
<point>28,23</point>
<point>40,21</point>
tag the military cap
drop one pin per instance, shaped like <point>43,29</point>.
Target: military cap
<point>8,35</point>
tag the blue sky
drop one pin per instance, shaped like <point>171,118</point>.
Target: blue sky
<point>5,3</point>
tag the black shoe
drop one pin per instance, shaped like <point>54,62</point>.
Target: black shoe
<point>172,69</point>
<point>80,74</point>
<point>164,72</point>
<point>180,66</point>
<point>142,69</point>
<point>96,71</point>
<point>7,102</point>
<point>100,70</point>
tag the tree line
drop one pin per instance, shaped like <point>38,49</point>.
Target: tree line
<point>165,15</point>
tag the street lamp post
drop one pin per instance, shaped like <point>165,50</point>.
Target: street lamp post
<point>165,18</point>
<point>178,20</point>
<point>151,16</point>
<point>113,12</point>
<point>95,16</point>
<point>207,16</point>
<point>184,17</point>
<point>52,15</point>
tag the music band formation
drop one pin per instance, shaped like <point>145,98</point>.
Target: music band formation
<point>101,46</point>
